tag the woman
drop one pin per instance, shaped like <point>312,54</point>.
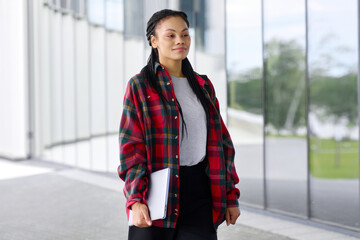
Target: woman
<point>165,96</point>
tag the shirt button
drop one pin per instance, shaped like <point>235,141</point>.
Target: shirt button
<point>175,117</point>
<point>176,210</point>
<point>175,196</point>
<point>168,83</point>
<point>176,214</point>
<point>177,176</point>
<point>177,156</point>
<point>148,96</point>
<point>176,137</point>
<point>173,100</point>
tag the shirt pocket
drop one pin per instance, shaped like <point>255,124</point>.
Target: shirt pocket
<point>155,112</point>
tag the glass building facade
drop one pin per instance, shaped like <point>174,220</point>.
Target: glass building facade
<point>285,73</point>
<point>292,70</point>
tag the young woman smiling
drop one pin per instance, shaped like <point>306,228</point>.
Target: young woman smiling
<point>165,96</point>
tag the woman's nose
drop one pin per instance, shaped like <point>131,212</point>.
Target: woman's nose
<point>180,40</point>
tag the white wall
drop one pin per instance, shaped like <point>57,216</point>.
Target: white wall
<point>13,79</point>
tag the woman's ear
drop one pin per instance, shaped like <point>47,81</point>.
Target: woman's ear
<point>153,41</point>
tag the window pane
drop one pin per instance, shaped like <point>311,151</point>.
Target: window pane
<point>96,11</point>
<point>150,7</point>
<point>285,117</point>
<point>333,118</point>
<point>78,7</point>
<point>209,26</point>
<point>63,4</point>
<point>75,6</point>
<point>134,18</point>
<point>200,18</point>
<point>244,66</point>
<point>212,63</point>
<point>115,15</point>
<point>187,6</point>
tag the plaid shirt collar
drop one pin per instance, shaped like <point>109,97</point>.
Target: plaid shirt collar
<point>160,67</point>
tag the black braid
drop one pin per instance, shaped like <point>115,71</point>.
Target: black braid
<point>190,75</point>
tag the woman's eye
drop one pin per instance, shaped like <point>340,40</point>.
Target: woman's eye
<point>186,35</point>
<point>171,36</point>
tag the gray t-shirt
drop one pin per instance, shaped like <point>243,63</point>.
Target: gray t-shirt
<point>193,146</point>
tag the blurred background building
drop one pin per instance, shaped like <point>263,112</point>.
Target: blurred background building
<point>285,73</point>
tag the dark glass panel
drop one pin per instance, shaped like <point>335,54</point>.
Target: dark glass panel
<point>285,110</point>
<point>134,18</point>
<point>245,119</point>
<point>333,117</point>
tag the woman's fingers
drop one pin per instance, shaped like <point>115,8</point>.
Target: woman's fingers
<point>233,219</point>
<point>232,215</point>
<point>146,216</point>
<point>141,216</point>
<point>227,217</point>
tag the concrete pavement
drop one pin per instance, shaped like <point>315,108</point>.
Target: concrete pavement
<point>41,200</point>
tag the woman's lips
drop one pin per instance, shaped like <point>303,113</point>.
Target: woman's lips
<point>179,49</point>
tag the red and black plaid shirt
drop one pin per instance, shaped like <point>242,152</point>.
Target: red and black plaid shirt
<point>149,141</point>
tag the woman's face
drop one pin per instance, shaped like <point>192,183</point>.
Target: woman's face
<point>172,39</point>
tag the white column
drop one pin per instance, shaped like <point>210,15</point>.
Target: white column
<point>13,79</point>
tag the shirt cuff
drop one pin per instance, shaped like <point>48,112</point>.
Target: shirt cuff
<point>133,201</point>
<point>232,198</point>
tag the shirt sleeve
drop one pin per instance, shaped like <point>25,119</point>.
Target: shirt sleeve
<point>232,178</point>
<point>132,168</point>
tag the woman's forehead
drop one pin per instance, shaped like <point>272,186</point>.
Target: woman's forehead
<point>172,23</point>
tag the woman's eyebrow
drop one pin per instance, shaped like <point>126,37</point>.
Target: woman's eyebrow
<point>173,30</point>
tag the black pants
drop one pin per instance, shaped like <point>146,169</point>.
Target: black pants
<point>195,216</point>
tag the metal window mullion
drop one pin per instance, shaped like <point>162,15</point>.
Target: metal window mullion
<point>106,82</point>
<point>358,93</point>
<point>226,64</point>
<point>62,87</point>
<point>89,90</point>
<point>307,108</point>
<point>265,202</point>
<point>75,22</point>
<point>30,79</point>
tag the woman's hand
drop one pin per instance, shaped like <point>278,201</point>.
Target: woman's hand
<point>231,215</point>
<point>141,216</point>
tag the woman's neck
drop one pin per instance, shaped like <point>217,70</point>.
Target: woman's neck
<point>173,67</point>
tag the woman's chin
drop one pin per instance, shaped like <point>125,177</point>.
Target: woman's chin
<point>180,57</point>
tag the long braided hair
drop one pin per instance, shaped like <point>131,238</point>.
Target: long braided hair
<point>148,72</point>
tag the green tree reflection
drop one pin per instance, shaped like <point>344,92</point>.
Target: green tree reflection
<point>337,96</point>
<point>245,91</point>
<point>285,85</point>
<point>333,99</point>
